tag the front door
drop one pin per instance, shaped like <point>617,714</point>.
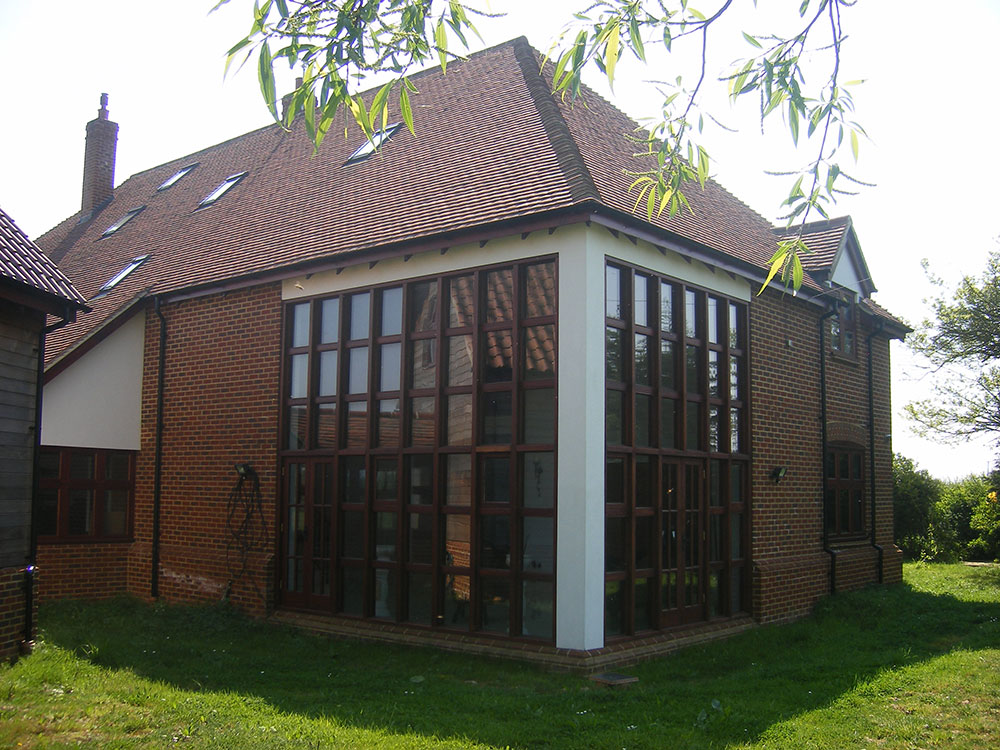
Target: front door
<point>682,535</point>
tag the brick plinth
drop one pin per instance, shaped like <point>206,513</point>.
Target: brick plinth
<point>86,571</point>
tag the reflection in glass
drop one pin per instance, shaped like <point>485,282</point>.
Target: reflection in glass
<point>640,310</point>
<point>357,381</point>
<point>458,488</point>
<point>456,602</point>
<point>423,306</point>
<point>460,360</point>
<point>392,311</point>
<point>666,307</point>
<point>300,325</point>
<point>461,302</point>
<point>357,424</point>
<point>326,426</point>
<point>456,541</point>
<point>359,316</point>
<point>296,427</point>
<point>536,544</point>
<point>421,488</point>
<point>496,604</point>
<point>494,542</point>
<point>497,418</point>
<point>691,327</point>
<point>496,479</point>
<point>299,375</point>
<point>538,352</point>
<point>423,363</point>
<point>422,421</point>
<point>668,367</point>
<point>539,415</point>
<point>459,419</point>
<point>389,371</point>
<point>538,471</point>
<point>613,292</point>
<point>614,354</point>
<point>329,329</point>
<point>642,364</point>
<point>540,290</point>
<point>327,373</point>
<point>497,355</point>
<point>499,296</point>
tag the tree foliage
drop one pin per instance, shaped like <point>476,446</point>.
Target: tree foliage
<point>914,495</point>
<point>340,46</point>
<point>962,342</point>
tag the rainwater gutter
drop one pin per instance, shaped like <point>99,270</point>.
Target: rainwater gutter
<point>871,443</point>
<point>154,588</point>
<point>823,422</point>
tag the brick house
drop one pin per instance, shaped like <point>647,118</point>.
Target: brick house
<point>485,404</point>
<point>31,287</point>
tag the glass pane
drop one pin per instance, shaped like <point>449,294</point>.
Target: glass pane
<point>713,429</point>
<point>736,590</point>
<point>715,483</point>
<point>115,512</point>
<point>498,350</point>
<point>499,295</point>
<point>844,510</point>
<point>326,426</point>
<point>640,308</point>
<point>386,480</point>
<point>494,540</point>
<point>421,491</point>
<point>419,598</point>
<point>714,593</point>
<point>693,431</point>
<point>614,480</point>
<point>668,423</point>
<point>456,541</point>
<point>81,466</point>
<point>456,602</point>
<point>536,544</point>
<point>423,363</point>
<point>713,320</point>
<point>385,536</point>
<point>459,419</point>
<point>352,488</point>
<point>735,483</point>
<point>358,375</point>
<point>423,306</point>
<point>614,417</point>
<point>359,316</point>
<point>461,302</point>
<point>352,590</point>
<point>540,290</point>
<point>614,354</point>
<point>496,479</point>
<point>645,481</point>
<point>668,365</point>
<point>329,328</point>
<point>642,363</point>
<point>856,466</point>
<point>644,548</point>
<point>389,378</point>
<point>496,604</point>
<point>668,591</point>
<point>497,418</point>
<point>736,536</point>
<point>300,325</point>
<point>735,377</point>
<point>298,376</point>
<point>691,327</point>
<point>539,415</point>
<point>46,511</point>
<point>857,506</point>
<point>327,373</point>
<point>615,544</point>
<point>422,421</point>
<point>666,307</point>
<point>713,375</point>
<point>321,577</point>
<point>734,431</point>
<point>643,418</point>
<point>420,547</point>
<point>613,292</point>
<point>538,352</point>
<point>352,534</point>
<point>460,360</point>
<point>844,469</point>
<point>537,599</point>
<point>538,471</point>
<point>693,369</point>
<point>385,593</point>
<point>392,311</point>
<point>294,580</point>
<point>614,608</point>
<point>357,424</point>
<point>715,537</point>
<point>459,479</point>
<point>116,466</point>
<point>643,589</point>
<point>296,428</point>
<point>734,326</point>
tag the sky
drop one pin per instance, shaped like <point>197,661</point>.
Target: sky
<point>926,104</point>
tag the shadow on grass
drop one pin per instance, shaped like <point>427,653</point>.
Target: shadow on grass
<point>714,695</point>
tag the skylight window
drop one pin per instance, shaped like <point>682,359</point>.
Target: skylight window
<point>227,183</point>
<point>369,147</point>
<point>118,277</point>
<point>122,221</point>
<point>176,176</point>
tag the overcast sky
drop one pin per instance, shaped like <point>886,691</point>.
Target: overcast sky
<point>928,103</point>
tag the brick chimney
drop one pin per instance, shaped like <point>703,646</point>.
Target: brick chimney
<point>99,158</point>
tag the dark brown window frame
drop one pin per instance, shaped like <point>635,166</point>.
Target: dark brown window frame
<point>449,576</point>
<point>63,484</point>
<point>848,520</point>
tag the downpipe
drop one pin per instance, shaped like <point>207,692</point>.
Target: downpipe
<point>871,446</point>
<point>823,423</point>
<point>154,587</point>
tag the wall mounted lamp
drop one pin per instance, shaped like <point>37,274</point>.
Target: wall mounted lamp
<point>778,473</point>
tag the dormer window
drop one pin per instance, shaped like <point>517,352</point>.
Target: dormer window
<point>122,221</point>
<point>223,188</point>
<point>118,277</point>
<point>369,147</point>
<point>176,176</point>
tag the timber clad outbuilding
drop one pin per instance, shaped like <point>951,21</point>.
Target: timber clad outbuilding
<point>31,287</point>
<point>453,391</point>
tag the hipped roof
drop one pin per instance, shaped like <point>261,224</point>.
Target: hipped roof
<point>494,148</point>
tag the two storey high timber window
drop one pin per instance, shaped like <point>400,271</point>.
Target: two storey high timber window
<point>845,491</point>
<point>419,451</point>
<point>677,464</point>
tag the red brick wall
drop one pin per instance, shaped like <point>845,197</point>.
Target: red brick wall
<point>85,571</point>
<point>791,568</point>
<point>220,408</point>
<point>12,612</point>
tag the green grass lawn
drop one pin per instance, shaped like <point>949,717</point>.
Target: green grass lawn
<point>909,666</point>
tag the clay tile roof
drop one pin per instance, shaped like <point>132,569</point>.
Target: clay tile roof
<point>823,238</point>
<point>23,262</point>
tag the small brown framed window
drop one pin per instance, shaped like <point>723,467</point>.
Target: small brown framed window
<point>845,491</point>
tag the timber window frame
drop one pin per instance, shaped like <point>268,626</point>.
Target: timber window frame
<point>846,499</point>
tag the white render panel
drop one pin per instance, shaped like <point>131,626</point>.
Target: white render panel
<point>96,402</point>
<point>846,275</point>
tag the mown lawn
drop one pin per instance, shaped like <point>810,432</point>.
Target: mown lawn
<point>909,666</point>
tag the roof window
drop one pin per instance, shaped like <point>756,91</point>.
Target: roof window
<point>369,147</point>
<point>122,221</point>
<point>118,277</point>
<point>176,176</point>
<point>227,183</point>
